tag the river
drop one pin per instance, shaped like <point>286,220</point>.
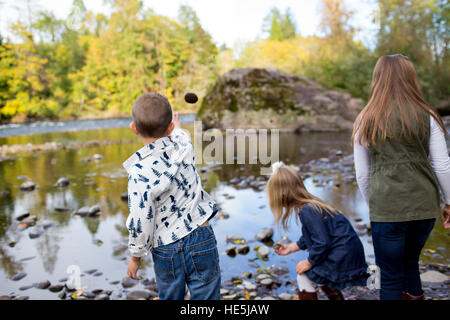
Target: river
<point>98,243</point>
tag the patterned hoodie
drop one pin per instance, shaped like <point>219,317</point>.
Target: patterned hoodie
<point>165,196</point>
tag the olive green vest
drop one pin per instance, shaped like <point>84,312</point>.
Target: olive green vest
<point>403,186</point>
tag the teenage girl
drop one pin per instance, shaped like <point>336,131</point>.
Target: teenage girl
<point>401,158</point>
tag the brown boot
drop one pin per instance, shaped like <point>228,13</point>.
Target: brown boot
<point>304,295</point>
<point>332,293</point>
<point>407,296</point>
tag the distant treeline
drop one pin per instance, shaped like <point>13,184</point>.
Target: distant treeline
<point>95,65</point>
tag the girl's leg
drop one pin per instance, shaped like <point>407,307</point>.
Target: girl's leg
<point>416,236</point>
<point>306,288</point>
<point>304,284</point>
<point>389,246</point>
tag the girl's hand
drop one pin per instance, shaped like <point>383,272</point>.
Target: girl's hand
<point>176,121</point>
<point>446,216</point>
<point>133,267</point>
<point>285,249</point>
<point>303,266</point>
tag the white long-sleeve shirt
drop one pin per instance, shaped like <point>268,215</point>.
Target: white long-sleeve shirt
<point>165,196</point>
<point>439,159</point>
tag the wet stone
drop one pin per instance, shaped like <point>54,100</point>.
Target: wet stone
<point>244,250</point>
<point>27,186</point>
<point>23,216</point>
<point>98,157</point>
<point>285,296</point>
<point>264,235</point>
<point>127,282</point>
<point>25,288</point>
<point>94,210</point>
<point>36,233</point>
<point>83,211</point>
<point>18,276</point>
<point>42,285</point>
<point>231,251</point>
<point>138,295</point>
<point>264,252</point>
<point>56,288</point>
<point>266,282</point>
<point>62,182</point>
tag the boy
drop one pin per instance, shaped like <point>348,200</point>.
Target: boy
<point>169,210</point>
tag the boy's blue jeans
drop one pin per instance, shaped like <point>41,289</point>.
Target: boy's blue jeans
<point>193,260</point>
<point>397,247</point>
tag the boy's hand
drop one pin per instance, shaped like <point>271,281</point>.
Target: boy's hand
<point>176,121</point>
<point>285,249</point>
<point>303,266</point>
<point>133,267</point>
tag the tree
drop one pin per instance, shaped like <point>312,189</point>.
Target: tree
<point>279,26</point>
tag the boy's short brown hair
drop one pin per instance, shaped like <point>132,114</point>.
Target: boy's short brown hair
<point>152,115</point>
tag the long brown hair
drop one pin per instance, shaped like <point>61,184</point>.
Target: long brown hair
<point>286,192</point>
<point>395,101</point>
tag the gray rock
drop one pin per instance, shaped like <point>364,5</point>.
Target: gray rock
<point>231,251</point>
<point>127,282</point>
<point>35,233</point>
<point>266,282</point>
<point>268,298</point>
<point>27,186</point>
<point>285,296</point>
<point>433,276</point>
<point>42,285</point>
<point>62,182</point>
<point>249,286</point>
<point>25,288</point>
<point>83,211</point>
<point>244,250</point>
<point>102,296</point>
<point>98,157</point>
<point>262,276</point>
<point>23,216</point>
<point>270,98</point>
<point>138,295</point>
<point>56,288</point>
<point>18,276</point>
<point>264,251</point>
<point>224,291</point>
<point>264,235</point>
<point>94,210</point>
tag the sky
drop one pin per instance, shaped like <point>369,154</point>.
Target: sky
<point>228,21</point>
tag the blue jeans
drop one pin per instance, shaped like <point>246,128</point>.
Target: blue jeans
<point>397,247</point>
<point>192,261</point>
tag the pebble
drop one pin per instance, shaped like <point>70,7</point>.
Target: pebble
<point>264,235</point>
<point>102,296</point>
<point>433,276</point>
<point>42,285</point>
<point>266,282</point>
<point>244,250</point>
<point>263,251</point>
<point>231,251</point>
<point>25,288</point>
<point>83,211</point>
<point>98,157</point>
<point>249,286</point>
<point>56,288</point>
<point>224,291</point>
<point>127,282</point>
<point>23,216</point>
<point>262,276</point>
<point>36,233</point>
<point>62,182</point>
<point>94,210</point>
<point>27,186</point>
<point>268,298</point>
<point>138,295</point>
<point>285,296</point>
<point>85,159</point>
<point>18,276</point>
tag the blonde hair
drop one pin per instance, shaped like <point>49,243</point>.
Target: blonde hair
<point>286,192</point>
<point>395,102</point>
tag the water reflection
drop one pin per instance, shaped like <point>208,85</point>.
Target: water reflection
<point>74,239</point>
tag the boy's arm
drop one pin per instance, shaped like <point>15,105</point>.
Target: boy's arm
<point>178,134</point>
<point>141,219</point>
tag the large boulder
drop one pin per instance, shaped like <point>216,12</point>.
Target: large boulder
<point>270,98</point>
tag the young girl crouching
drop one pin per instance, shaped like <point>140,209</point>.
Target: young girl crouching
<point>336,255</point>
